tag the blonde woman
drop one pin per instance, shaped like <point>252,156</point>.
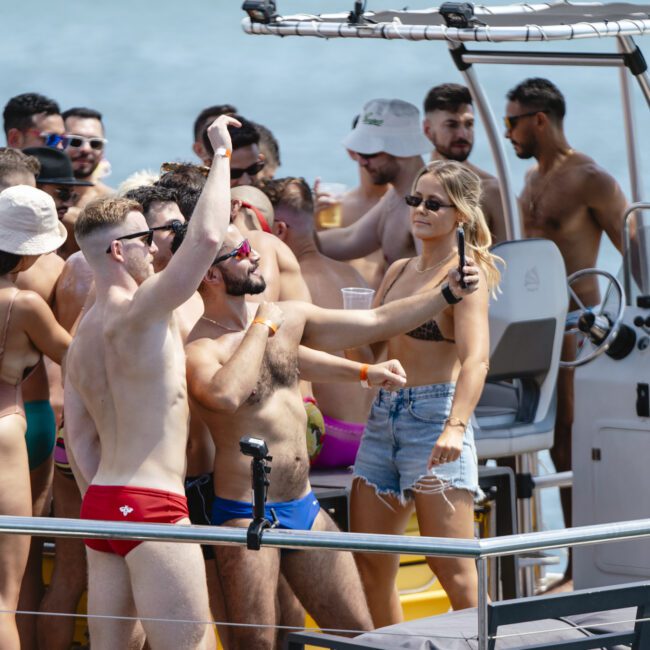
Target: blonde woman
<point>418,447</point>
<point>29,227</point>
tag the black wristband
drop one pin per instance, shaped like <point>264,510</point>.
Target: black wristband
<point>449,296</point>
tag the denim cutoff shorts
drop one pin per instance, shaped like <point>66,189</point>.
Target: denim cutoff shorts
<point>402,429</point>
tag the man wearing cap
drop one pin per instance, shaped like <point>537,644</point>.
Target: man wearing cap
<point>57,179</point>
<point>29,227</point>
<point>388,142</point>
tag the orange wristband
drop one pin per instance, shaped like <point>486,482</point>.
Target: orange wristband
<point>269,323</point>
<point>363,375</point>
<point>222,152</point>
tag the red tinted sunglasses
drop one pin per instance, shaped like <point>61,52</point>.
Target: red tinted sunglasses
<point>243,250</point>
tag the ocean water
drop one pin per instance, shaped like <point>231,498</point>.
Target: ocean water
<point>150,67</point>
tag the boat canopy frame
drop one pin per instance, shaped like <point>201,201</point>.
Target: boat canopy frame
<point>558,21</point>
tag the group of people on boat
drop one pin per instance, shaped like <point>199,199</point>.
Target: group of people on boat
<point>202,304</point>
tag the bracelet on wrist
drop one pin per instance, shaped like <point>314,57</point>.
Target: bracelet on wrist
<point>222,152</point>
<point>363,376</point>
<point>453,421</point>
<point>268,323</point>
<point>449,296</point>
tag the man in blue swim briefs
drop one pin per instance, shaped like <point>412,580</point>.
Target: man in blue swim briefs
<point>243,365</point>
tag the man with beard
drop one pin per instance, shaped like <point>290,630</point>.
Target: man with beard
<point>85,144</point>
<point>126,379</point>
<point>449,125</point>
<point>570,200</point>
<point>243,365</point>
<point>388,143</point>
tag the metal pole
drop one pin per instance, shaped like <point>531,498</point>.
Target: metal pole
<point>481,566</point>
<point>628,123</point>
<point>508,200</point>
<point>629,46</point>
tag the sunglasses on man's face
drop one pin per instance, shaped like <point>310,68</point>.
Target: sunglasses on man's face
<point>65,194</point>
<point>242,251</point>
<point>253,170</point>
<point>147,237</point>
<point>52,140</point>
<point>175,226</point>
<point>511,121</point>
<point>433,205</point>
<point>78,141</point>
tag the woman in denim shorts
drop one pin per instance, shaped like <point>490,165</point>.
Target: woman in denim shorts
<point>418,446</point>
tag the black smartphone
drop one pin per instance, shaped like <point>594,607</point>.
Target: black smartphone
<point>460,236</point>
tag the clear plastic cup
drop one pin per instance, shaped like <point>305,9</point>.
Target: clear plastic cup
<point>331,216</point>
<point>357,297</point>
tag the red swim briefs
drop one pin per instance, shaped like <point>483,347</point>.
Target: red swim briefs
<point>137,504</point>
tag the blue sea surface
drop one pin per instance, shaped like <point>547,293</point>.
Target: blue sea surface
<point>150,67</point>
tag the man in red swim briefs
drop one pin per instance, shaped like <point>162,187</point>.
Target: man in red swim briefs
<point>126,413</point>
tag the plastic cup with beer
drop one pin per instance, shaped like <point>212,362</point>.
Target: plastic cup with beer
<point>330,216</point>
<point>357,297</point>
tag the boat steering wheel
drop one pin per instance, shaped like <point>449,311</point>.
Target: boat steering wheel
<point>594,328</point>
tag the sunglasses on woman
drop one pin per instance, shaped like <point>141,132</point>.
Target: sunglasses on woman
<point>242,251</point>
<point>78,141</point>
<point>433,205</point>
<point>253,170</point>
<point>147,237</point>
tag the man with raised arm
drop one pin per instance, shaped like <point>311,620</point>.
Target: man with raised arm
<point>126,376</point>
<point>244,363</point>
<point>569,199</point>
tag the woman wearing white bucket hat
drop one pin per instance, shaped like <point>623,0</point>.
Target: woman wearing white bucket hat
<point>29,227</point>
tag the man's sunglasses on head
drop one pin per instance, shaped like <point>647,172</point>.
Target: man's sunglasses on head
<point>242,251</point>
<point>147,237</point>
<point>253,170</point>
<point>78,141</point>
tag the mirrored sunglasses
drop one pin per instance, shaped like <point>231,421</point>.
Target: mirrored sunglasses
<point>242,251</point>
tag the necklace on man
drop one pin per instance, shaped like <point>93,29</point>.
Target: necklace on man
<point>546,182</point>
<point>436,265</point>
<point>225,327</point>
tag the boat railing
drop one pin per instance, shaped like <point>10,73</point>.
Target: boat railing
<point>478,549</point>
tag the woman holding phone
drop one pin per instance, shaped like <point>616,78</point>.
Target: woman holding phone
<point>29,227</point>
<point>418,450</point>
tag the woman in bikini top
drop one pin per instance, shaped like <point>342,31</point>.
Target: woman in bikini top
<point>418,450</point>
<point>29,227</point>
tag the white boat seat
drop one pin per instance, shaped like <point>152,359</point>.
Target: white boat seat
<point>516,412</point>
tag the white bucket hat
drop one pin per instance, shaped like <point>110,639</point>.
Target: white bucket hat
<point>29,224</point>
<point>389,125</point>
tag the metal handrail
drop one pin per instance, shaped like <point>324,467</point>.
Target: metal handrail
<point>299,539</point>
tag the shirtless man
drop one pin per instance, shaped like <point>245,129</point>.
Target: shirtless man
<point>345,408</point>
<point>126,375</point>
<point>85,144</point>
<point>570,200</point>
<point>243,371</point>
<point>17,168</point>
<point>449,125</point>
<point>388,143</point>
<point>33,120</point>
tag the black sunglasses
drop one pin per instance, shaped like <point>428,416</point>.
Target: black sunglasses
<point>511,121</point>
<point>430,204</point>
<point>253,170</point>
<point>174,225</point>
<point>66,194</point>
<point>146,234</point>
